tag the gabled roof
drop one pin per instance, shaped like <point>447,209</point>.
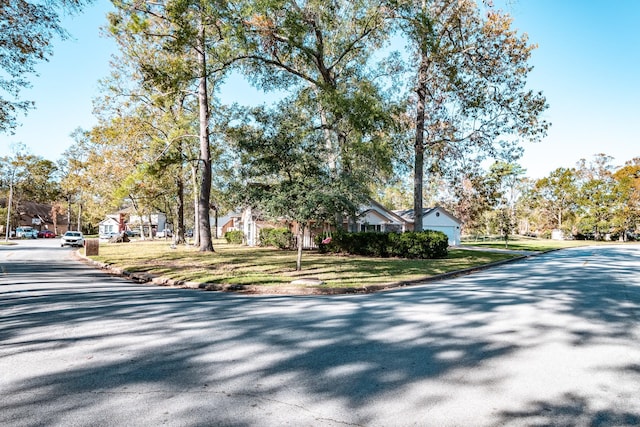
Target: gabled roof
<point>110,218</point>
<point>381,209</point>
<point>409,215</point>
<point>26,211</point>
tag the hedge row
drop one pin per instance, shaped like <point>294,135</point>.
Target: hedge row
<point>421,244</point>
<point>281,238</point>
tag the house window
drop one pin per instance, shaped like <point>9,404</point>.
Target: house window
<point>394,228</point>
<point>370,227</point>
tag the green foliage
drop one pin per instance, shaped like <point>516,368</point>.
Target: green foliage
<point>426,244</point>
<point>27,30</point>
<point>32,177</point>
<point>283,168</point>
<point>234,236</point>
<point>422,244</point>
<point>598,196</point>
<point>281,238</point>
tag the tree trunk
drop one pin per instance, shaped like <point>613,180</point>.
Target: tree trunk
<point>179,232</point>
<point>196,225</point>
<point>80,216</point>
<point>300,243</point>
<point>54,217</point>
<point>332,157</point>
<point>418,168</point>
<point>206,244</point>
<point>69,214</point>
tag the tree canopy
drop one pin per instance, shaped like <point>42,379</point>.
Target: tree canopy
<point>355,119</point>
<point>27,31</point>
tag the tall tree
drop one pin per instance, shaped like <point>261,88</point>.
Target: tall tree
<point>190,35</point>
<point>284,171</point>
<point>12,175</point>
<point>506,179</point>
<point>627,209</point>
<point>28,177</point>
<point>597,195</point>
<point>470,95</point>
<point>323,51</point>
<point>27,31</point>
<point>556,196</point>
<point>159,128</point>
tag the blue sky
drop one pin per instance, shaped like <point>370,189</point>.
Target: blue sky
<point>586,65</point>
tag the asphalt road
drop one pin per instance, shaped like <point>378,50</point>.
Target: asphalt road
<point>551,340</point>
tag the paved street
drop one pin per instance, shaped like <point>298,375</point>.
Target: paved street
<point>551,340</point>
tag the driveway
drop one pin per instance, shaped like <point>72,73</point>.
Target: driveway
<point>550,340</point>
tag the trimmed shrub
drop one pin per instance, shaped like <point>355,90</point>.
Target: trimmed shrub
<point>423,244</point>
<point>281,238</point>
<point>234,236</point>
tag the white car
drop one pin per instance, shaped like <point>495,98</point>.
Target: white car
<point>164,233</point>
<point>72,238</point>
<point>107,236</point>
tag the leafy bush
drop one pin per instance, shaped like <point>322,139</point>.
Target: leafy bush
<point>234,237</point>
<point>281,238</point>
<point>423,244</point>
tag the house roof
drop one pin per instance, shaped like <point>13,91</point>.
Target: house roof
<point>29,210</point>
<point>409,214</point>
<point>392,214</point>
<point>110,218</point>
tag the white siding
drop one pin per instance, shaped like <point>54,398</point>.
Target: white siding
<point>439,220</point>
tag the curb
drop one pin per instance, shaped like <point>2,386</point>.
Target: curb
<point>146,278</point>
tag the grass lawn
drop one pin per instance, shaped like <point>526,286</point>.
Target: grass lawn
<point>242,265</point>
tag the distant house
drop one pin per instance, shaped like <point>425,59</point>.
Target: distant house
<point>249,221</point>
<point>40,216</point>
<point>145,223</point>
<point>438,219</point>
<point>372,216</point>
<point>375,217</point>
<point>228,222</point>
<point>111,224</point>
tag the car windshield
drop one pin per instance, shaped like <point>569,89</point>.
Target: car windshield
<point>72,234</point>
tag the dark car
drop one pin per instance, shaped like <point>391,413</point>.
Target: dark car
<point>46,234</point>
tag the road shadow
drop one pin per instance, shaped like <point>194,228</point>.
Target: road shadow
<point>109,341</point>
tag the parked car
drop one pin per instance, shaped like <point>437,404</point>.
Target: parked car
<point>164,233</point>
<point>107,235</point>
<point>72,238</point>
<point>46,234</point>
<point>26,233</point>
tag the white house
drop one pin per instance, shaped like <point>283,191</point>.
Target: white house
<point>372,216</point>
<point>375,217</point>
<point>156,221</point>
<point>228,222</point>
<point>111,224</point>
<point>438,219</point>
